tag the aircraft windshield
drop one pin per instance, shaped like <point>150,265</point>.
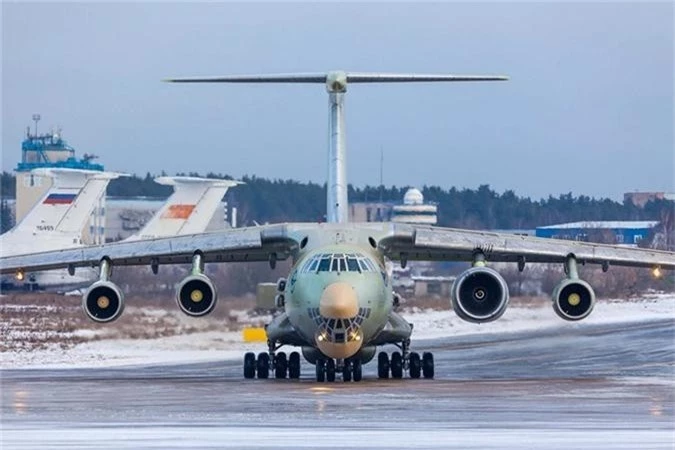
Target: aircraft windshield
<point>338,262</point>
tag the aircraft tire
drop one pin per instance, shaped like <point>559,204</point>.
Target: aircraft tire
<point>249,365</point>
<point>356,370</point>
<point>428,365</point>
<point>294,365</point>
<point>280,365</point>
<point>383,365</point>
<point>396,365</point>
<point>415,365</point>
<point>330,370</point>
<point>263,365</point>
<point>347,371</point>
<point>320,370</point>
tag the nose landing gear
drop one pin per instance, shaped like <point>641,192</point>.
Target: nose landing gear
<point>326,369</point>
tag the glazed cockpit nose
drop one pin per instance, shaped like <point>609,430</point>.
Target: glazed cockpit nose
<point>340,335</point>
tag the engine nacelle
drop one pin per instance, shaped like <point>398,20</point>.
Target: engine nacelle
<point>573,299</point>
<point>479,295</point>
<point>103,301</point>
<point>196,295</point>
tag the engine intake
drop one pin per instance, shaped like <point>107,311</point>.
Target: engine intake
<point>103,301</point>
<point>196,295</point>
<point>479,295</point>
<point>573,299</point>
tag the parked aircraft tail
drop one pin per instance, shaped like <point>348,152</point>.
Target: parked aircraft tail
<point>189,209</point>
<point>58,218</point>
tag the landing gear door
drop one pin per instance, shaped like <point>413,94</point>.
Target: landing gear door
<point>265,294</point>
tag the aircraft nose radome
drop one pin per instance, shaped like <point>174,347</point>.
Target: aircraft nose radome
<point>339,301</point>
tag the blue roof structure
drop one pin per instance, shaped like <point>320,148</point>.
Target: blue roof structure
<point>620,231</point>
<point>34,154</point>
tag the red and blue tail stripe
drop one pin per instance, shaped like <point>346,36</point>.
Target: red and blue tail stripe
<point>59,199</point>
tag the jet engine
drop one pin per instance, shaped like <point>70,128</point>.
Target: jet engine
<point>196,295</point>
<point>480,294</point>
<point>573,299</point>
<point>103,301</point>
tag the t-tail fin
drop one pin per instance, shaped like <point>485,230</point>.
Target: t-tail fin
<point>336,84</point>
<point>59,217</point>
<point>189,209</point>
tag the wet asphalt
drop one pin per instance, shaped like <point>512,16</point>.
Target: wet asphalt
<point>600,386</point>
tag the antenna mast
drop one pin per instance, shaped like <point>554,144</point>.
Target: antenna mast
<point>36,119</point>
<point>381,173</point>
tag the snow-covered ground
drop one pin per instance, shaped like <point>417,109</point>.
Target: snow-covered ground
<point>215,345</point>
<point>435,324</point>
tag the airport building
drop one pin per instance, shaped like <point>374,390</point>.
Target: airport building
<point>412,210</point>
<point>607,232</point>
<point>50,150</point>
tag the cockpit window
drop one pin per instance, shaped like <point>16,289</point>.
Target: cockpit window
<point>353,265</point>
<point>324,265</point>
<point>339,262</point>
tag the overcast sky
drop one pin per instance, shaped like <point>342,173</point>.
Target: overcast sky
<point>588,109</point>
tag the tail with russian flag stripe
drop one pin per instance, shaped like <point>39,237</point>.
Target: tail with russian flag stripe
<point>59,217</point>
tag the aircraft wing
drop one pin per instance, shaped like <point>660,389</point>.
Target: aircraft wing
<point>261,243</point>
<point>430,243</point>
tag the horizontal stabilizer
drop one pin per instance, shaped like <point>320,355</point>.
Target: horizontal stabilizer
<point>351,77</point>
<point>62,175</point>
<point>216,182</point>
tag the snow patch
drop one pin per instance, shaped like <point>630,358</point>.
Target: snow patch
<point>431,324</point>
<point>201,346</point>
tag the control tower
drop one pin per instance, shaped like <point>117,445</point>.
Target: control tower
<point>51,151</point>
<point>414,210</point>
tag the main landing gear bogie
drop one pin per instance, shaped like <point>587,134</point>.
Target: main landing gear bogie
<point>278,364</point>
<point>405,360</point>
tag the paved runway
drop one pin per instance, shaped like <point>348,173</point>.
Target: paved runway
<point>601,386</point>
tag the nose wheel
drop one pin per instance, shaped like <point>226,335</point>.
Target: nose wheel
<point>325,370</point>
<point>352,370</point>
<point>328,368</point>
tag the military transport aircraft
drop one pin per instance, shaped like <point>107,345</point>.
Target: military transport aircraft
<point>337,300</point>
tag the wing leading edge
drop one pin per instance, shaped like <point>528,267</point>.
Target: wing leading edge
<point>446,244</point>
<point>241,244</point>
<point>396,241</point>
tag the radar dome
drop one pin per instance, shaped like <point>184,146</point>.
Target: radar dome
<point>413,197</point>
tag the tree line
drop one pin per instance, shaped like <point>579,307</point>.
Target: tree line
<point>263,200</point>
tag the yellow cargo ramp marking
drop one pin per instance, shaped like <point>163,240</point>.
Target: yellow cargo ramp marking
<point>254,334</point>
